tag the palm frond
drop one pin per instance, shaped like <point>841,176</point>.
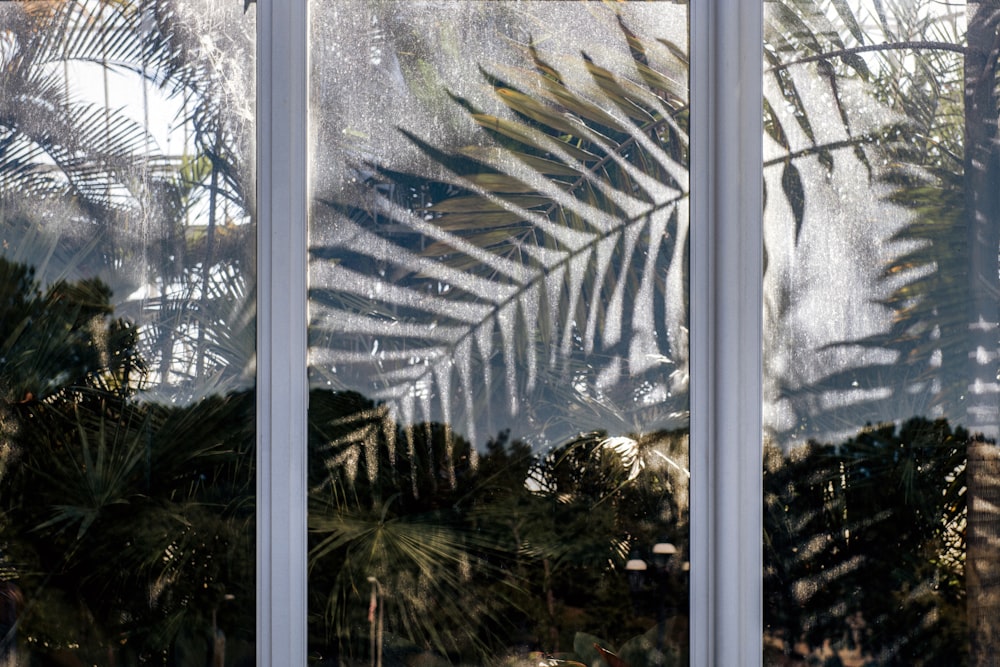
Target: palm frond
<point>554,255</point>
<point>892,114</point>
<point>422,566</point>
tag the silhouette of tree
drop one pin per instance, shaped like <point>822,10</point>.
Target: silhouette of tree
<point>521,550</point>
<point>865,544</point>
<point>128,526</point>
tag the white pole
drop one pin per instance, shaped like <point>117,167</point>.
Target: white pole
<point>726,306</point>
<point>282,391</point>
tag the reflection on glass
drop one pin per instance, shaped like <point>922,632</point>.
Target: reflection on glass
<point>881,309</point>
<point>126,334</point>
<point>498,342</point>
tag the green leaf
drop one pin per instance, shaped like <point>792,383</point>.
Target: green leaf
<point>499,183</point>
<point>847,16</point>
<point>458,222</point>
<point>791,23</point>
<point>543,165</point>
<point>825,156</point>
<point>523,135</point>
<point>676,51</point>
<point>476,204</point>
<point>619,94</point>
<point>773,126</point>
<point>791,184</point>
<point>528,106</point>
<point>790,93</point>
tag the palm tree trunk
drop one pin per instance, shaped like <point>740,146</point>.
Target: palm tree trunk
<point>982,205</point>
<point>209,257</point>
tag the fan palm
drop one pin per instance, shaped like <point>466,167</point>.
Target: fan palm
<point>138,515</point>
<point>130,523</point>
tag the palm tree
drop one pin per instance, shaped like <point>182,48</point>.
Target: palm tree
<point>942,285</point>
<point>125,523</point>
<point>865,544</point>
<point>104,197</point>
<point>551,260</point>
<point>524,249</point>
<point>128,522</point>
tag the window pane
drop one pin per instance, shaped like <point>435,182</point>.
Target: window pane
<point>498,332</point>
<point>127,341</point>
<point>880,382</point>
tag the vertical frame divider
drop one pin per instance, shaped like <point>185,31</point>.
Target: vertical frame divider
<point>726,332</point>
<point>282,384</point>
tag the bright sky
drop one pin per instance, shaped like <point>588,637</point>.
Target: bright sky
<point>127,92</point>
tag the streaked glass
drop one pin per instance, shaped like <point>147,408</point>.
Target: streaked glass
<point>881,312</point>
<point>127,333</point>
<point>498,332</point>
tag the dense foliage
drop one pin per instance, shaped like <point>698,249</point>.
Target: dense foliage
<point>133,522</point>
<point>865,545</point>
<point>128,526</point>
<point>489,555</point>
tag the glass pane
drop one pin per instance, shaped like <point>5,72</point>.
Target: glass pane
<point>880,357</point>
<point>127,319</point>
<point>498,333</point>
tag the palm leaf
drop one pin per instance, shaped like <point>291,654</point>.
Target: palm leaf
<point>91,167</point>
<point>919,153</point>
<point>553,256</point>
<point>422,565</point>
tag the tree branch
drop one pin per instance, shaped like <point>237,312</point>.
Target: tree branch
<point>818,148</point>
<point>868,48</point>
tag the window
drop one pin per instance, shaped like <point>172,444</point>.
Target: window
<point>735,565</point>
<point>498,319</point>
<point>515,333</point>
<point>127,413</point>
<point>879,375</point>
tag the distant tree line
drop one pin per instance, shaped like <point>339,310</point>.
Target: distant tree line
<point>128,526</point>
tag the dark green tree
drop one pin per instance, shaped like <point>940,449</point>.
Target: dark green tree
<point>940,161</point>
<point>517,552</point>
<point>128,526</point>
<point>865,544</point>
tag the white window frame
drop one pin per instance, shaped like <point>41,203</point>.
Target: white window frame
<point>726,305</point>
<point>282,384</point>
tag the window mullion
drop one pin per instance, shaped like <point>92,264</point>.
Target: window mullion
<point>282,386</point>
<point>726,306</point>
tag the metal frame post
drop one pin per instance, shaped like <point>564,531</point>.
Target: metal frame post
<point>282,384</point>
<point>726,306</point>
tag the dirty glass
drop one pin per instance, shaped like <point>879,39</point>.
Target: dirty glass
<point>127,333</point>
<point>880,341</point>
<point>498,349</point>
